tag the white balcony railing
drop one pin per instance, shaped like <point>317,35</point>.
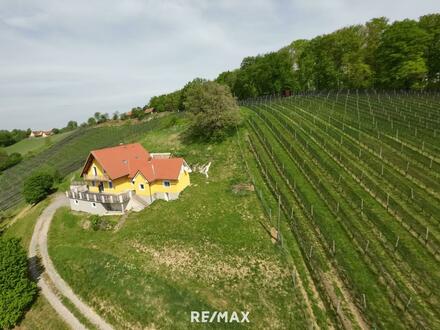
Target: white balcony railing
<point>99,197</point>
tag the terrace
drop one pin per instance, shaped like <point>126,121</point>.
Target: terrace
<point>78,190</point>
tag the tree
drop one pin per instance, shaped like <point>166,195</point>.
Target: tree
<point>71,125</point>
<point>103,117</point>
<point>6,138</point>
<point>138,113</point>
<point>214,112</point>
<point>374,31</point>
<point>38,186</point>
<point>17,291</point>
<point>115,115</point>
<point>400,56</point>
<point>91,121</point>
<point>431,25</point>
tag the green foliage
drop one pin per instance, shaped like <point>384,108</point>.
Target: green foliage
<point>400,56</point>
<point>405,54</point>
<point>431,25</point>
<point>166,102</point>
<point>95,221</point>
<point>214,112</point>
<point>138,113</point>
<point>38,186</point>
<point>8,138</point>
<point>7,161</point>
<point>17,291</point>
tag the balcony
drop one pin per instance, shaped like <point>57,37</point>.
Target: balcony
<point>99,197</point>
<point>103,177</point>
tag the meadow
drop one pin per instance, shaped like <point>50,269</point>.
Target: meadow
<point>31,146</point>
<point>208,250</point>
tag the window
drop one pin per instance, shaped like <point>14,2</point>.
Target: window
<point>93,183</point>
<point>95,171</point>
<point>141,186</point>
<point>76,201</point>
<point>166,183</point>
<point>93,204</point>
<point>110,184</point>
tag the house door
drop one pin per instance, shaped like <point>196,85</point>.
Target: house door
<point>101,187</point>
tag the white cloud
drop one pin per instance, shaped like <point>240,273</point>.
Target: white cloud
<point>62,60</point>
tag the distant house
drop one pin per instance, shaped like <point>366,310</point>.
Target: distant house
<point>41,133</point>
<point>127,177</point>
<point>149,110</point>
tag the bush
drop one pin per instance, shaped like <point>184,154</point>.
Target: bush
<point>95,221</point>
<point>213,109</point>
<point>17,291</point>
<point>7,161</point>
<point>37,187</point>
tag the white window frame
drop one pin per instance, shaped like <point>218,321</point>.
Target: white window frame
<point>93,204</point>
<point>76,202</point>
<point>141,186</point>
<point>169,183</point>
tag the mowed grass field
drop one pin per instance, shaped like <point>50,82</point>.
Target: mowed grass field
<point>35,145</point>
<point>205,251</point>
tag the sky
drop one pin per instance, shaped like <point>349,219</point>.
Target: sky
<point>66,60</point>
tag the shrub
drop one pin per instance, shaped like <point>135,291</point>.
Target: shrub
<point>17,291</point>
<point>7,161</point>
<point>38,186</point>
<point>95,220</point>
<point>213,109</point>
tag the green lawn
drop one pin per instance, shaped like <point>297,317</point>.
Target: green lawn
<point>205,251</point>
<point>35,145</point>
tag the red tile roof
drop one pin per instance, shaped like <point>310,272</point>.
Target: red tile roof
<point>129,159</point>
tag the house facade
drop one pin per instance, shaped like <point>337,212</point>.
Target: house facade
<point>127,177</point>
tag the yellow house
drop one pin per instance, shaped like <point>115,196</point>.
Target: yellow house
<point>127,177</point>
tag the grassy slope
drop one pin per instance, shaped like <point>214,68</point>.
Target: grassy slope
<point>41,315</point>
<point>35,145</point>
<point>205,251</point>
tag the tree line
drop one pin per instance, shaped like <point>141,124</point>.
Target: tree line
<point>378,54</point>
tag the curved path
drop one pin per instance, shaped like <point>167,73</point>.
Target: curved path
<point>50,278</point>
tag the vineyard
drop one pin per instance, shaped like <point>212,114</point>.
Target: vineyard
<point>67,156</point>
<point>355,176</point>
